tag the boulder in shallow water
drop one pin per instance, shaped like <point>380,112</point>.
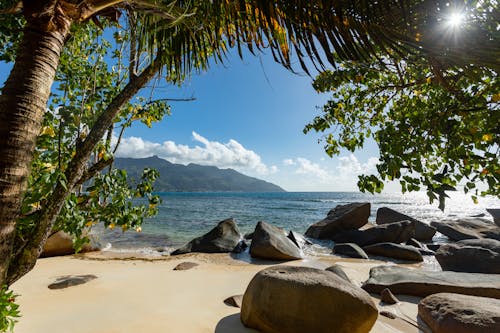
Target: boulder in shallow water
<point>454,313</point>
<point>225,237</point>
<point>298,239</point>
<point>349,249</point>
<point>401,280</point>
<point>269,242</point>
<point>302,299</point>
<point>61,244</point>
<point>467,228</point>
<point>396,251</point>
<point>423,231</point>
<point>397,232</point>
<point>343,217</point>
<point>471,256</point>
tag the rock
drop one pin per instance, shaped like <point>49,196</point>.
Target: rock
<point>234,301</point>
<point>495,212</point>
<point>343,217</point>
<point>61,244</point>
<point>302,299</point>
<point>225,237</point>
<point>396,251</point>
<point>388,297</point>
<point>397,232</point>
<point>350,249</point>
<point>467,228</point>
<point>416,243</point>
<point>464,256</point>
<point>424,283</point>
<point>269,242</point>
<point>248,236</point>
<point>298,239</point>
<point>337,270</point>
<point>71,280</point>
<point>445,313</point>
<point>423,231</point>
<point>184,266</point>
<point>426,252</point>
<point>433,247</point>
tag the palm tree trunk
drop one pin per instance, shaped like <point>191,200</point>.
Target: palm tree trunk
<point>23,103</point>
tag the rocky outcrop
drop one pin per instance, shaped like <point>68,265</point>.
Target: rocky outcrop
<point>349,249</point>
<point>423,231</point>
<point>343,217</point>
<point>474,256</point>
<point>467,228</point>
<point>397,232</point>
<point>302,299</point>
<point>396,251</point>
<point>269,242</point>
<point>61,244</point>
<point>445,313</point>
<point>225,237</point>
<point>421,283</point>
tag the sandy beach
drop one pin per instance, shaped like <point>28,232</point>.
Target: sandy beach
<point>147,295</point>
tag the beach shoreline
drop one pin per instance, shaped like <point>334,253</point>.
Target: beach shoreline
<point>145,294</point>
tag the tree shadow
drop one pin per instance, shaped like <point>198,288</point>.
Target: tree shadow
<point>232,324</point>
<point>71,280</point>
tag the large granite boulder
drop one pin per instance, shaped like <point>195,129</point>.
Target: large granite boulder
<point>61,244</point>
<point>349,249</point>
<point>397,232</point>
<point>473,256</point>
<point>421,283</point>
<point>224,238</point>
<point>495,212</point>
<point>269,242</point>
<point>343,217</point>
<point>298,239</point>
<point>445,313</point>
<point>467,228</point>
<point>423,231</point>
<point>302,299</point>
<point>396,251</point>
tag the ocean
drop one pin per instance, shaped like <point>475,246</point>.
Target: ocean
<point>183,216</point>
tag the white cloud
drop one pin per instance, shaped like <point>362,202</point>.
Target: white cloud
<point>350,165</point>
<point>307,167</point>
<point>288,162</point>
<point>224,155</point>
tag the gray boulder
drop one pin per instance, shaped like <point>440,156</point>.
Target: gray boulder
<point>445,313</point>
<point>349,249</point>
<point>467,228</point>
<point>397,232</point>
<point>473,256</point>
<point>302,299</point>
<point>224,238</point>
<point>343,217</point>
<point>396,251</point>
<point>401,280</point>
<point>388,297</point>
<point>339,271</point>
<point>423,231</point>
<point>269,242</point>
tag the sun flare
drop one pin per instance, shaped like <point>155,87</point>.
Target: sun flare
<point>454,20</point>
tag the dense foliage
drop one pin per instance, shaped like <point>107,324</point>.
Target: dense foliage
<point>9,310</point>
<point>436,129</point>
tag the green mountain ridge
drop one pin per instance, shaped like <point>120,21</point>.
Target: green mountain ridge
<point>194,177</point>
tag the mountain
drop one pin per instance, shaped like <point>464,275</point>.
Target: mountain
<point>194,177</point>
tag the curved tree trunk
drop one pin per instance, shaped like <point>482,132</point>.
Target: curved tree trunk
<point>23,103</point>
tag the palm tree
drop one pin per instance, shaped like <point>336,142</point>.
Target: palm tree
<point>180,36</point>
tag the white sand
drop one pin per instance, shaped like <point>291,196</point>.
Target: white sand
<point>148,296</point>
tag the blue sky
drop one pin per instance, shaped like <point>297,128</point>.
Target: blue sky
<point>248,115</point>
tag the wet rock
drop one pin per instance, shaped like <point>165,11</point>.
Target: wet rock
<point>302,299</point>
<point>269,242</point>
<point>298,239</point>
<point>388,297</point>
<point>433,247</point>
<point>421,283</point>
<point>397,232</point>
<point>349,249</point>
<point>396,251</point>
<point>234,301</point>
<point>445,313</point>
<point>71,280</point>
<point>343,217</point>
<point>224,238</point>
<point>467,228</point>
<point>474,256</point>
<point>495,212</point>
<point>339,271</point>
<point>184,266</point>
<point>423,231</point>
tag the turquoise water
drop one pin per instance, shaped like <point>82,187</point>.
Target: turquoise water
<point>183,216</point>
